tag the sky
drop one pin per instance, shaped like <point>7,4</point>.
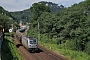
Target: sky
<point>20,5</point>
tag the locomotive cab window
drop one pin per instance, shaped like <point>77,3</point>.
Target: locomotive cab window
<point>33,41</point>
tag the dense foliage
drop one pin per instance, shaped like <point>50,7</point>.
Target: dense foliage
<point>9,50</point>
<point>37,10</point>
<point>6,20</point>
<point>70,26</point>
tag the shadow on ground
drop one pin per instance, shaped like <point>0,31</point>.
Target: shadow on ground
<point>18,45</point>
<point>35,51</point>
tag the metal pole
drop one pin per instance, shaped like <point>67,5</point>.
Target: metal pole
<point>38,32</point>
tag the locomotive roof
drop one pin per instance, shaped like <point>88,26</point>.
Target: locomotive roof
<point>29,37</point>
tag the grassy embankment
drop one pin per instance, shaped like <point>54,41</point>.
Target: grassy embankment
<point>9,50</point>
<point>70,54</point>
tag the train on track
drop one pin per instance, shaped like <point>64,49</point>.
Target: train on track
<point>29,43</point>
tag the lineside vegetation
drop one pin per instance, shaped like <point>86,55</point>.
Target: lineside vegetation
<point>9,50</point>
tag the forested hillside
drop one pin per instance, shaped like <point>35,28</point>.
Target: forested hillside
<point>4,12</point>
<point>53,6</point>
<point>26,15</point>
<point>5,19</point>
<point>70,26</point>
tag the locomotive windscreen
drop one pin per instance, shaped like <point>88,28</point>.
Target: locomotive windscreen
<point>22,30</point>
<point>33,41</point>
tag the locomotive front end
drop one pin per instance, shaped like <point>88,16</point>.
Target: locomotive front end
<point>33,44</point>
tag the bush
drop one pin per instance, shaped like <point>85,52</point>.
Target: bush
<point>87,48</point>
<point>71,45</point>
<point>9,50</point>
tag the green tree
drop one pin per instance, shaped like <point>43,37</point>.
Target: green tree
<point>5,22</point>
<point>38,9</point>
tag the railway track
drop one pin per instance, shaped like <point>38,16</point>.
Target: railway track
<point>52,54</point>
<point>41,54</point>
